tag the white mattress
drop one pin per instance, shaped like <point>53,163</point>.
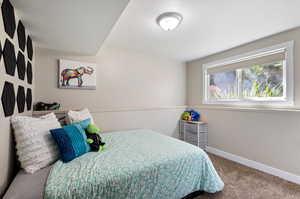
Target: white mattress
<point>28,186</point>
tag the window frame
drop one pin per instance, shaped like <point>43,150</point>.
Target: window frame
<point>288,77</point>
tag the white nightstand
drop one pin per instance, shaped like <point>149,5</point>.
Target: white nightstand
<point>195,133</point>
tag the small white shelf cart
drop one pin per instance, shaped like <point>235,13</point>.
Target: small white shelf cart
<point>194,132</point>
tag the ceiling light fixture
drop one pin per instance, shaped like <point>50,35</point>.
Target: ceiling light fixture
<point>169,20</point>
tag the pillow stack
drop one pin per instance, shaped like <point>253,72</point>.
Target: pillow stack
<point>41,141</point>
<point>35,146</point>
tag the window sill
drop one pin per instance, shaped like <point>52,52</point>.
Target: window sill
<point>246,108</point>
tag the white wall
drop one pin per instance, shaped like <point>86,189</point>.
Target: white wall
<point>7,154</point>
<point>133,90</point>
<point>268,137</point>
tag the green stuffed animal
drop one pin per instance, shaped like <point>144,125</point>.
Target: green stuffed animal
<point>94,139</point>
<point>186,116</point>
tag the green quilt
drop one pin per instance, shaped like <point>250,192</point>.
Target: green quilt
<point>136,164</point>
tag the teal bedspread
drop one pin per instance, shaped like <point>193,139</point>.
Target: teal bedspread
<point>136,164</point>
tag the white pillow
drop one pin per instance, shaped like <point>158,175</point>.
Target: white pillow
<point>78,116</point>
<point>36,148</point>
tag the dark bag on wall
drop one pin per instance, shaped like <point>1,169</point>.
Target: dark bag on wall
<point>41,106</point>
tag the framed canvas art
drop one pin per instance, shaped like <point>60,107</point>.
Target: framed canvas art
<point>76,75</point>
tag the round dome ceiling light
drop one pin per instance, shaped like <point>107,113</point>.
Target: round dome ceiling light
<point>169,20</point>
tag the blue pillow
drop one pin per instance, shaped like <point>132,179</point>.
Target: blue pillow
<point>71,141</point>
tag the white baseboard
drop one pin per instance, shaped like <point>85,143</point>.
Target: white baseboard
<point>256,165</point>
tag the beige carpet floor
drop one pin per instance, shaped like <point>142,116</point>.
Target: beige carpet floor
<point>245,183</point>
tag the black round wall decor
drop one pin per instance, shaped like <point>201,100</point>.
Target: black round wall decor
<point>8,99</point>
<point>29,47</point>
<point>21,99</point>
<point>8,16</point>
<point>21,35</point>
<point>29,99</point>
<point>9,58</point>
<point>21,65</point>
<point>29,73</point>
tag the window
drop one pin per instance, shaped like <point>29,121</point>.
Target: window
<point>263,77</point>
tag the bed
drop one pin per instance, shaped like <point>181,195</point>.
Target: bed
<point>136,164</point>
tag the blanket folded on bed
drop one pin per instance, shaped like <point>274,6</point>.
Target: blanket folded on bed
<point>136,164</point>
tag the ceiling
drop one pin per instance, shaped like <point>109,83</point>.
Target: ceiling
<point>70,25</point>
<point>208,27</point>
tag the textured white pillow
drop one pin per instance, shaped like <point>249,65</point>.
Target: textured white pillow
<point>78,116</point>
<point>36,148</point>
